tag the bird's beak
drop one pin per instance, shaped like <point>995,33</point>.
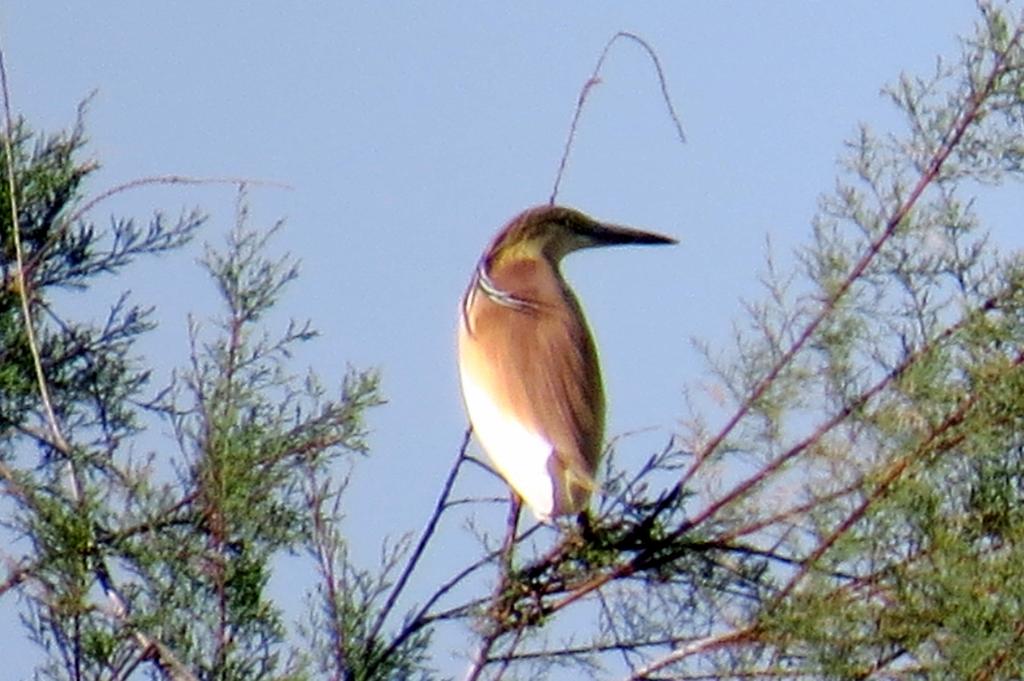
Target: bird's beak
<point>602,234</point>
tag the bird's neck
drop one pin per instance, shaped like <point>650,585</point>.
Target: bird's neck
<point>527,283</point>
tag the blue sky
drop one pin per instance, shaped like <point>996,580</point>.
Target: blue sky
<point>411,132</point>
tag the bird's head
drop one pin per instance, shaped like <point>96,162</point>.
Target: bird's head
<point>552,232</point>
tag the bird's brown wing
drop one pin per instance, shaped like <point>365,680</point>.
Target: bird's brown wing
<point>567,375</point>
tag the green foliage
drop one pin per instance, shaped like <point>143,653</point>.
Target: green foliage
<point>855,514</point>
<point>160,561</point>
<point>867,526</point>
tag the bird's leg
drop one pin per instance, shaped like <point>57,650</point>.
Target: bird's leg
<point>585,526</point>
<point>514,509</point>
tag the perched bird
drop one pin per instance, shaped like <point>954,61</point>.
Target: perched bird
<point>530,376</point>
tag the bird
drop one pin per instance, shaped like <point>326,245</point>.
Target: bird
<point>528,365</point>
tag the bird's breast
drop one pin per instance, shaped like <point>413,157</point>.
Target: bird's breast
<point>520,453</point>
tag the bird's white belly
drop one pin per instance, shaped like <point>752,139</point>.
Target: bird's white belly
<point>520,455</point>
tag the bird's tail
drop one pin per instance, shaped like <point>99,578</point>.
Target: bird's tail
<point>575,490</point>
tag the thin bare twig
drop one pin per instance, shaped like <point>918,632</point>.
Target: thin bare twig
<point>490,638</point>
<point>595,79</point>
<point>428,532</point>
<point>684,651</point>
<point>506,660</point>
<point>969,114</point>
<point>163,657</point>
<point>994,666</point>
<point>137,183</point>
<point>476,667</point>
<point>894,472</point>
<point>856,404</point>
<point>22,283</point>
<point>962,123</point>
<point>169,179</point>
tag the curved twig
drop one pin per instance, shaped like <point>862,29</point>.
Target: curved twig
<point>970,113</point>
<point>595,79</point>
<point>148,646</point>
